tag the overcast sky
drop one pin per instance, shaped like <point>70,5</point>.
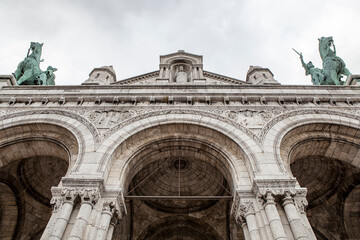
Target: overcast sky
<point>130,35</point>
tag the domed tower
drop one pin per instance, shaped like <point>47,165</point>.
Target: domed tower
<point>101,76</point>
<point>260,76</point>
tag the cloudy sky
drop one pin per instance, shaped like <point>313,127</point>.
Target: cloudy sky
<point>130,35</point>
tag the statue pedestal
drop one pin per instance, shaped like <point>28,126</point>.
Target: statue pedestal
<point>353,80</point>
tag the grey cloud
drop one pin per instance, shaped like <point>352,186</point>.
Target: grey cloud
<point>130,35</point>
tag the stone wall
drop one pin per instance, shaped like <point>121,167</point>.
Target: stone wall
<point>268,148</point>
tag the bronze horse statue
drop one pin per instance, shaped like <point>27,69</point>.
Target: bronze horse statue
<point>28,71</point>
<point>333,66</point>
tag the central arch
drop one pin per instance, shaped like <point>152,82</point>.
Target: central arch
<point>178,168</point>
<point>127,159</point>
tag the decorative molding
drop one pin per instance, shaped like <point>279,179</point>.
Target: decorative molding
<point>114,119</point>
<point>246,117</point>
<point>355,114</point>
<point>83,182</point>
<point>277,187</point>
<point>148,114</point>
<point>69,194</point>
<point>225,79</point>
<point>19,113</point>
<point>139,78</point>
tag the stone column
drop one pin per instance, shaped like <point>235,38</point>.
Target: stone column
<point>272,214</point>
<point>296,224</point>
<point>245,230</point>
<point>106,215</point>
<point>93,222</point>
<point>260,222</point>
<point>88,199</point>
<point>63,214</point>
<point>247,211</point>
<point>55,203</point>
<point>301,204</point>
<point>265,219</point>
<point>114,221</point>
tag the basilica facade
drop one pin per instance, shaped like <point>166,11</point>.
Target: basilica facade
<point>179,153</point>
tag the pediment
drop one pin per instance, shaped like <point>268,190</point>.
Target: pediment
<point>153,78</point>
<point>181,68</point>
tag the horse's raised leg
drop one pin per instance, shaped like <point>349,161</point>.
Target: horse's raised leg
<point>345,71</point>
<point>27,74</point>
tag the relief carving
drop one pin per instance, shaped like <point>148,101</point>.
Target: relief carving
<point>250,118</point>
<point>355,114</point>
<point>108,119</point>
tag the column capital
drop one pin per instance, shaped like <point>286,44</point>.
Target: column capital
<point>114,204</point>
<point>246,208</point>
<point>268,198</point>
<point>243,205</point>
<point>56,203</point>
<point>89,195</point>
<point>301,203</point>
<point>109,207</point>
<point>288,198</point>
<point>68,194</point>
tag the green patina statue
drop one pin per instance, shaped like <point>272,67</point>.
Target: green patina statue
<point>333,66</point>
<point>28,71</point>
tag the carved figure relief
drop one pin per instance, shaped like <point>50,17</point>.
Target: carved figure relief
<point>250,118</point>
<point>181,75</point>
<point>108,118</point>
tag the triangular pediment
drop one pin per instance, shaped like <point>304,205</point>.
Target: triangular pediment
<point>181,68</point>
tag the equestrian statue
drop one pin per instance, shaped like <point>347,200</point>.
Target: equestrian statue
<point>333,66</point>
<point>28,71</point>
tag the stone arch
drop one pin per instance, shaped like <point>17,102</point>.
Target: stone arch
<point>77,127</point>
<point>38,150</point>
<point>236,138</point>
<point>125,157</point>
<point>34,139</point>
<point>322,151</point>
<point>273,133</point>
<point>175,59</point>
<point>180,226</point>
<point>211,165</point>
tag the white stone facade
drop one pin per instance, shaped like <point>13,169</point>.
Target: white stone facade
<point>150,158</point>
